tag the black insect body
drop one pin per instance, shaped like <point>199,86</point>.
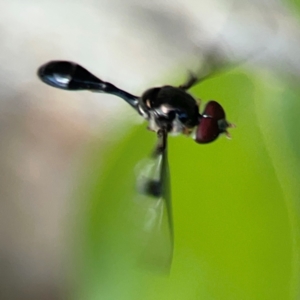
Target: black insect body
<point>168,110</point>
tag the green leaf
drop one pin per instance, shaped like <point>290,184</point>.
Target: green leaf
<point>235,204</point>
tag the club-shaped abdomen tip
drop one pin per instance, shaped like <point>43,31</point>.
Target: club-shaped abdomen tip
<point>57,73</point>
<point>207,130</point>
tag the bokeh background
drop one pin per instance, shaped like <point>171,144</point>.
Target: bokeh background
<point>68,159</point>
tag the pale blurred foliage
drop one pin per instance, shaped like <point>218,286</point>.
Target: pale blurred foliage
<point>43,130</point>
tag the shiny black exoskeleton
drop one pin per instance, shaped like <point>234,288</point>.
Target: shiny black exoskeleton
<point>175,102</point>
<point>169,108</point>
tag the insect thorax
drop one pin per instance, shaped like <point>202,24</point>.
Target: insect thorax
<point>169,107</point>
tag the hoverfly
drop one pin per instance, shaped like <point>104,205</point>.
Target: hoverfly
<point>169,110</point>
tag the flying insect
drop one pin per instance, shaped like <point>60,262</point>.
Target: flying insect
<point>169,110</point>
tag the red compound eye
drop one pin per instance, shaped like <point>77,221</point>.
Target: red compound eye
<point>215,110</point>
<point>212,123</point>
<point>207,130</point>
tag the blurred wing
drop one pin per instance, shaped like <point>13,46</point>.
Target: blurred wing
<point>213,64</point>
<point>217,56</point>
<point>155,205</point>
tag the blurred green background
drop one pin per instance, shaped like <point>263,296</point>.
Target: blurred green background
<point>235,203</point>
<point>70,220</point>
